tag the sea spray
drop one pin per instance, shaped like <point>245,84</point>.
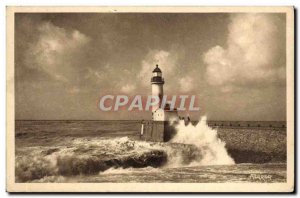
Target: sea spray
<point>86,156</point>
<point>192,145</point>
<point>212,150</point>
<point>69,154</point>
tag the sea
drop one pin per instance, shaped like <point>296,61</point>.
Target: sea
<point>85,151</point>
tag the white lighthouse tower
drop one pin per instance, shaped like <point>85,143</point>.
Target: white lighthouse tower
<point>158,113</point>
<point>159,128</point>
<point>157,82</point>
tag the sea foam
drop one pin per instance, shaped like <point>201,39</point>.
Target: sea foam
<point>191,146</point>
<point>211,149</point>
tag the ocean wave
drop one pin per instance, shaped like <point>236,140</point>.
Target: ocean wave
<point>210,149</point>
<point>87,156</point>
<point>93,155</point>
<point>191,146</point>
<point>129,170</point>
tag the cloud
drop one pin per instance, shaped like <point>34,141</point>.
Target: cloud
<point>186,84</point>
<point>74,90</point>
<point>67,62</point>
<point>175,74</point>
<point>167,62</point>
<point>251,55</point>
<point>128,88</point>
<point>56,51</point>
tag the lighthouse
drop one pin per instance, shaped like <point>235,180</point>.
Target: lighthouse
<point>159,128</point>
<point>160,113</point>
<point>157,83</point>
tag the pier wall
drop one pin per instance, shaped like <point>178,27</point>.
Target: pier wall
<point>247,124</point>
<point>157,131</point>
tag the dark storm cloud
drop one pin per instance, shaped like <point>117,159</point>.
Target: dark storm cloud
<point>64,62</point>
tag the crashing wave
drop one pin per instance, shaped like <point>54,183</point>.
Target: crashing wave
<point>211,150</point>
<point>191,146</point>
<point>87,156</point>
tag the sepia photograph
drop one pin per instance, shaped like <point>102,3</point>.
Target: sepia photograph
<point>150,99</point>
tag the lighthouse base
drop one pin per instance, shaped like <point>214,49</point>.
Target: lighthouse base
<point>157,131</point>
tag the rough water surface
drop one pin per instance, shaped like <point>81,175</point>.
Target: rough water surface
<point>109,151</point>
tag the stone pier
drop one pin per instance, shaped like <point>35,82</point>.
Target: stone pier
<point>157,131</point>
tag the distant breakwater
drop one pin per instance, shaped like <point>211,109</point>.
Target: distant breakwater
<point>248,124</point>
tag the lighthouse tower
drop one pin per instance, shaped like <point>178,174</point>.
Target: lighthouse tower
<point>160,113</point>
<point>159,128</point>
<point>157,82</point>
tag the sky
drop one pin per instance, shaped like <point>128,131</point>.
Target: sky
<point>234,63</point>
